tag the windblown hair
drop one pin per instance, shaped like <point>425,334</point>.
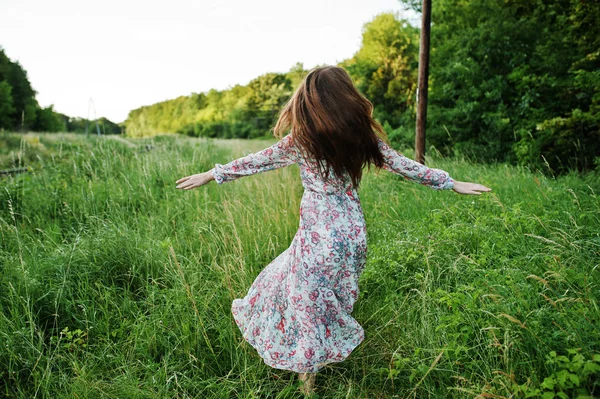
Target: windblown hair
<point>332,123</point>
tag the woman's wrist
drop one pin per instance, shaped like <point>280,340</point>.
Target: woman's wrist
<point>449,184</point>
<point>455,186</point>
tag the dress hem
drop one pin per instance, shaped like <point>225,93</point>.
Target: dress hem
<point>315,369</point>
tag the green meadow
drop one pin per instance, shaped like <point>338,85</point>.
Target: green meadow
<point>115,284</point>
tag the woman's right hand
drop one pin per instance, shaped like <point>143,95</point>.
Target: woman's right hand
<point>197,180</point>
<point>462,187</point>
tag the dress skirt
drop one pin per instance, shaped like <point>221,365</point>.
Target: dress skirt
<point>297,313</point>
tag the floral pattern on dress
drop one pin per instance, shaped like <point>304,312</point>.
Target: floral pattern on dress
<point>297,312</point>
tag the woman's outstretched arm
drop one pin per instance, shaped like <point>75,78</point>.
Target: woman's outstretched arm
<point>437,179</point>
<point>279,155</point>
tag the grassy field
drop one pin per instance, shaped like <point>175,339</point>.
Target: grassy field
<point>114,284</point>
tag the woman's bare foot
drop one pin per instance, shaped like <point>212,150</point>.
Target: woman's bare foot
<point>308,383</point>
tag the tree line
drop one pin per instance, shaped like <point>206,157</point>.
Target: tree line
<point>384,69</point>
<point>20,111</point>
<point>510,81</point>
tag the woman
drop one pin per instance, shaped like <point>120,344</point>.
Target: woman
<point>297,313</point>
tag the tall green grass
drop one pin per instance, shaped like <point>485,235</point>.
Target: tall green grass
<point>117,285</point>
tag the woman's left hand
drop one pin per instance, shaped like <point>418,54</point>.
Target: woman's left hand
<point>462,187</point>
<point>197,180</point>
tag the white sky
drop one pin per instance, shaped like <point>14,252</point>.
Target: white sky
<point>129,53</point>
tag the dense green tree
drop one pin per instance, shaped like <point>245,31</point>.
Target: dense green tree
<point>109,127</point>
<point>47,120</point>
<point>569,135</point>
<point>296,74</point>
<point>81,125</point>
<point>23,96</point>
<point>516,81</point>
<point>6,106</point>
<point>385,67</point>
<point>266,95</point>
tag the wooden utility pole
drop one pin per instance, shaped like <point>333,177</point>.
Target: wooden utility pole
<point>423,83</point>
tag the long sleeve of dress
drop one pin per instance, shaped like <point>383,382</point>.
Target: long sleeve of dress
<point>399,164</point>
<point>279,155</point>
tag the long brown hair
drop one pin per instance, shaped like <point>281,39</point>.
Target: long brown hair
<point>331,122</point>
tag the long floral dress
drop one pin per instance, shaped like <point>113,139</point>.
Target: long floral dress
<point>297,312</point>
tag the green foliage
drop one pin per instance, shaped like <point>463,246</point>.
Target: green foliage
<point>24,104</point>
<point>385,67</point>
<point>48,121</point>
<point>82,125</point>
<point>569,374</point>
<point>516,81</point>
<point>70,340</point>
<point>6,106</point>
<point>239,112</point>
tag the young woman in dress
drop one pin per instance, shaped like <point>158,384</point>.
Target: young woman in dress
<point>297,313</point>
